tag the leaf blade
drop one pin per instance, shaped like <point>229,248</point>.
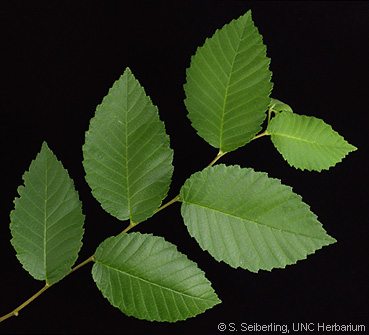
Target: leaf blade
<point>278,106</point>
<point>307,142</point>
<point>241,217</point>
<point>228,85</point>
<point>127,158</point>
<point>47,222</point>
<point>157,282</point>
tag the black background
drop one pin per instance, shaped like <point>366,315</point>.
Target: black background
<point>58,60</point>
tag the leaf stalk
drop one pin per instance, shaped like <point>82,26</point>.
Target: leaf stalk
<point>220,154</point>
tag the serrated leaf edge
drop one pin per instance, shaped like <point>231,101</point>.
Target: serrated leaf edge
<point>351,147</point>
<point>44,144</point>
<point>249,13</point>
<point>167,138</point>
<point>215,301</point>
<point>331,239</point>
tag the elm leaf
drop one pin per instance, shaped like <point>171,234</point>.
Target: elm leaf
<point>249,220</point>
<point>279,106</point>
<point>47,222</point>
<point>228,85</point>
<point>306,142</point>
<point>127,158</point>
<point>146,277</point>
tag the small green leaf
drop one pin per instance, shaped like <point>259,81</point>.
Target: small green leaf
<point>127,158</point>
<point>279,106</point>
<point>146,277</point>
<point>47,222</point>
<point>248,220</point>
<point>306,142</point>
<point>228,85</point>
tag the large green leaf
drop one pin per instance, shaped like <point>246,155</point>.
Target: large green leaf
<point>47,222</point>
<point>248,220</point>
<point>127,158</point>
<point>228,85</point>
<point>306,142</point>
<point>146,277</point>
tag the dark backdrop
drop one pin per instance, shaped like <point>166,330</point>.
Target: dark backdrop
<point>58,60</point>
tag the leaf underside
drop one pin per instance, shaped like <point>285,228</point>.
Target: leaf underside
<point>146,277</point>
<point>228,85</point>
<point>306,142</point>
<point>47,222</point>
<point>127,158</point>
<point>249,220</point>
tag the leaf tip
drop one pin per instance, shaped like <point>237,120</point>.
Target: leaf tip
<point>45,147</point>
<point>352,148</point>
<point>127,70</point>
<point>331,240</point>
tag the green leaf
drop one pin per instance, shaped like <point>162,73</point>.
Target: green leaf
<point>279,106</point>
<point>47,222</point>
<point>127,158</point>
<point>248,220</point>
<point>146,277</point>
<point>228,85</point>
<point>306,142</point>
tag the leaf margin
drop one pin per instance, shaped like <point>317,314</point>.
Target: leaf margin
<point>200,129</point>
<point>171,246</point>
<point>89,136</point>
<point>47,154</point>
<point>297,196</point>
<point>304,118</point>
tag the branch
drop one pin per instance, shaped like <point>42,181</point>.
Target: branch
<point>15,312</point>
